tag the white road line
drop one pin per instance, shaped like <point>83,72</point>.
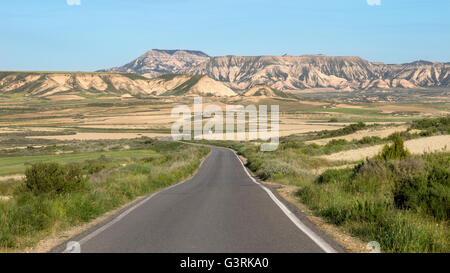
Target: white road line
<point>300,225</point>
<point>311,234</point>
<point>128,211</point>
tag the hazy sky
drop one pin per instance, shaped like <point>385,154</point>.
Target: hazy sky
<point>94,34</point>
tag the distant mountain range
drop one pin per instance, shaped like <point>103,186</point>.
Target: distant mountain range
<point>188,72</point>
<point>291,72</point>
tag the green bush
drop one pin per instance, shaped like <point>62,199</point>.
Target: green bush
<point>349,129</point>
<point>408,167</point>
<point>358,210</point>
<point>430,193</point>
<point>54,178</point>
<point>433,125</point>
<point>395,151</point>
<point>370,168</point>
<point>334,176</point>
<point>370,176</point>
<point>95,165</point>
<point>336,142</point>
<point>289,145</point>
<point>273,168</point>
<point>370,140</point>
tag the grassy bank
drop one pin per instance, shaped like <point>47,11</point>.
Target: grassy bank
<point>403,202</point>
<point>108,181</point>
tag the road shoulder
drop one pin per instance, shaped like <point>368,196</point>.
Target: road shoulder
<point>57,243</point>
<point>333,235</point>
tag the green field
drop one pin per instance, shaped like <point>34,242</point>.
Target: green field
<point>18,164</point>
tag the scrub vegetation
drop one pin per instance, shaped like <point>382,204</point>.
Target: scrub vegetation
<point>398,199</point>
<point>56,195</point>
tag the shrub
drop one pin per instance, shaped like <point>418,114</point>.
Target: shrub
<point>433,125</point>
<point>349,129</point>
<point>95,165</point>
<point>371,168</point>
<point>336,142</point>
<point>289,145</point>
<point>357,210</point>
<point>430,193</point>
<point>273,168</point>
<point>334,176</point>
<point>395,151</point>
<point>54,178</point>
<point>408,167</point>
<point>370,140</point>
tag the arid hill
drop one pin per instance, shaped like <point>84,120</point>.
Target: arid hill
<point>318,71</point>
<point>45,84</point>
<point>157,62</point>
<point>291,72</point>
<point>264,91</point>
<point>201,85</point>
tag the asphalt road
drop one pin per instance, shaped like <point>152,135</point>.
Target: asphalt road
<point>220,209</point>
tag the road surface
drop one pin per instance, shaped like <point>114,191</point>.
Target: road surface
<point>220,209</point>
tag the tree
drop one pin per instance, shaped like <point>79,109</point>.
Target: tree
<point>395,151</point>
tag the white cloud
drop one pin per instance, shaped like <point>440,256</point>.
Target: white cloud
<point>374,2</point>
<point>74,2</point>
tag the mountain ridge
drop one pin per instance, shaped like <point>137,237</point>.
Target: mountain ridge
<point>319,71</point>
<point>289,72</point>
<point>156,62</point>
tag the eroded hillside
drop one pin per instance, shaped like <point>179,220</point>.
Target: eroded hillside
<point>319,71</point>
<point>46,84</point>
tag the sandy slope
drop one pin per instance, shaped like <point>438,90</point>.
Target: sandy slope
<point>206,86</point>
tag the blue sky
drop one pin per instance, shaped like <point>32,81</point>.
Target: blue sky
<point>53,35</point>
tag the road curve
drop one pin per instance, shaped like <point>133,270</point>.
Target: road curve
<point>220,209</point>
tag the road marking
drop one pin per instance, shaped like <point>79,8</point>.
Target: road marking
<point>311,234</point>
<point>128,211</point>
<point>300,225</point>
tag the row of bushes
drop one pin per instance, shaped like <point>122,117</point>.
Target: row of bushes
<point>428,126</point>
<point>433,125</point>
<point>349,129</point>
